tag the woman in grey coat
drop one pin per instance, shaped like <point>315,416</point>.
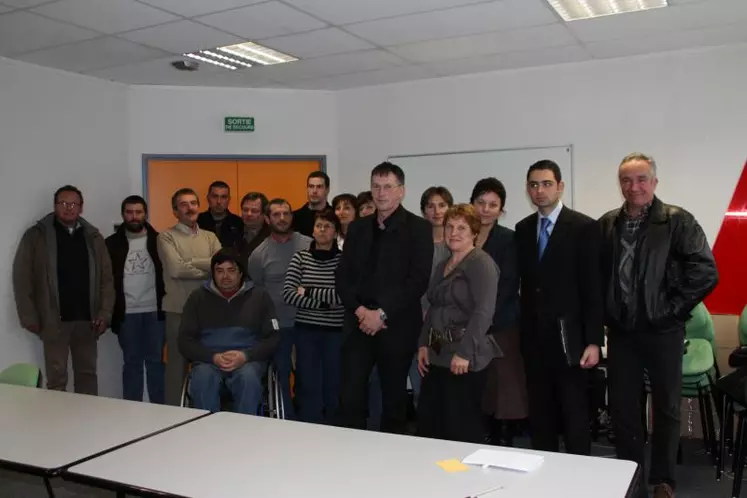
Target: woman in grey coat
<point>454,345</point>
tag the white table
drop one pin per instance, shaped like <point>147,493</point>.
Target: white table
<point>42,432</point>
<point>230,456</point>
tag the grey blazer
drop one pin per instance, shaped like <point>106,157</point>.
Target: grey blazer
<point>465,298</point>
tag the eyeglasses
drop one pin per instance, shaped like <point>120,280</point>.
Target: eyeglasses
<point>385,188</point>
<point>69,205</point>
<point>322,228</point>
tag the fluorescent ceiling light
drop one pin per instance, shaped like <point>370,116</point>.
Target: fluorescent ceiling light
<point>573,10</point>
<point>241,55</point>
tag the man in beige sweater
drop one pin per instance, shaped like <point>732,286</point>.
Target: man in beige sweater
<point>185,253</point>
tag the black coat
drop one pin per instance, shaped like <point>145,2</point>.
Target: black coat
<point>402,262</point>
<point>501,246</point>
<point>118,247</point>
<point>231,229</point>
<point>674,267</point>
<point>565,284</point>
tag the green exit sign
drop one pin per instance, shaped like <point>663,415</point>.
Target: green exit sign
<point>235,123</point>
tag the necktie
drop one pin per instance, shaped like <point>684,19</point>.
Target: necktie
<point>544,235</point>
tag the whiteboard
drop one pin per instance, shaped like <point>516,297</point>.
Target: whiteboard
<point>459,171</point>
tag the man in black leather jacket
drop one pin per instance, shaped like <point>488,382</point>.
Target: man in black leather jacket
<point>656,267</point>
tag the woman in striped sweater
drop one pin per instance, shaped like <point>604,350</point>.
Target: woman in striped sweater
<point>310,286</point>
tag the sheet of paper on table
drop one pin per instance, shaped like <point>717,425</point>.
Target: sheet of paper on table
<point>511,460</point>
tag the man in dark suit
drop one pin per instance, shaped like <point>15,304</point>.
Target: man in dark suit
<point>384,271</point>
<point>558,256</point>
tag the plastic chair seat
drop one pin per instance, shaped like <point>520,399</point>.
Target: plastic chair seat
<point>21,374</point>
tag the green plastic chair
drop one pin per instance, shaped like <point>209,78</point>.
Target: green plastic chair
<point>21,374</point>
<point>742,327</point>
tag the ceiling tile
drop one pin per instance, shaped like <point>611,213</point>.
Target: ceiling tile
<point>349,11</point>
<point>4,9</point>
<point>191,8</point>
<point>366,78</point>
<point>512,60</point>
<point>23,4</point>
<point>721,35</point>
<point>93,54</point>
<point>553,35</point>
<point>181,37</point>
<point>263,21</point>
<point>481,18</point>
<point>654,21</point>
<point>106,16</point>
<point>317,43</point>
<point>330,65</point>
<point>23,32</point>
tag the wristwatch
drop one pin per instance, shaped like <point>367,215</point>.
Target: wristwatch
<point>382,315</point>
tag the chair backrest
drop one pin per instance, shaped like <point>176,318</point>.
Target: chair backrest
<point>21,374</point>
<point>742,327</point>
<point>700,325</point>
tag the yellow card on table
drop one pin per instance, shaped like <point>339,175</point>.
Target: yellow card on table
<point>452,465</point>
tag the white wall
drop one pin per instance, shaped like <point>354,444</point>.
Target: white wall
<point>688,109</point>
<point>181,120</point>
<point>57,128</point>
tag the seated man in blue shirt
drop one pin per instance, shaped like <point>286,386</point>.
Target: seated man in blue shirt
<point>229,332</point>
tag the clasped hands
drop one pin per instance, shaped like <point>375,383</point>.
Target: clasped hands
<point>228,361</point>
<point>369,321</point>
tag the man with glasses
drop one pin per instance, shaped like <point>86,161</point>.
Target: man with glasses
<point>62,281</point>
<point>561,312</point>
<point>382,275</point>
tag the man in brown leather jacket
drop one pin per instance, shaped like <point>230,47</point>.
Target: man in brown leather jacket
<point>657,266</point>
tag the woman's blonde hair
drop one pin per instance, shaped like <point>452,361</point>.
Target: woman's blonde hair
<point>468,213</point>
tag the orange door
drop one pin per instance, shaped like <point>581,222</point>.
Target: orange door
<point>281,178</point>
<point>167,176</point>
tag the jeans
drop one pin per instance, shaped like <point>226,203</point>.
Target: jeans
<point>284,367</point>
<point>661,355</point>
<point>141,337</point>
<point>318,371</point>
<point>245,385</point>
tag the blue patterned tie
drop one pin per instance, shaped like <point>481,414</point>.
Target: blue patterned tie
<point>544,235</point>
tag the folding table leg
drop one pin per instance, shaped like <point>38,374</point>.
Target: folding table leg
<point>739,458</point>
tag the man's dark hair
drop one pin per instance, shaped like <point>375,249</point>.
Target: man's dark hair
<point>546,164</point>
<point>228,254</point>
<point>134,199</point>
<point>489,185</point>
<point>349,198</point>
<point>181,192</point>
<point>319,174</point>
<point>68,188</point>
<point>443,192</point>
<point>219,184</point>
<point>253,196</point>
<point>364,197</point>
<point>386,168</point>
<point>277,201</point>
<point>328,214</point>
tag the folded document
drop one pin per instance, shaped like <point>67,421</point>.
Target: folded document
<point>512,460</point>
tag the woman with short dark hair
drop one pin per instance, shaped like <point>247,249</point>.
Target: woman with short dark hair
<point>346,210</point>
<point>505,401</point>
<point>310,286</point>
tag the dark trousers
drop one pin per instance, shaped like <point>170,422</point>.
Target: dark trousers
<point>391,351</point>
<point>141,337</point>
<point>318,369</point>
<point>558,404</point>
<point>661,355</point>
<point>79,340</point>
<point>176,364</point>
<point>450,406</point>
